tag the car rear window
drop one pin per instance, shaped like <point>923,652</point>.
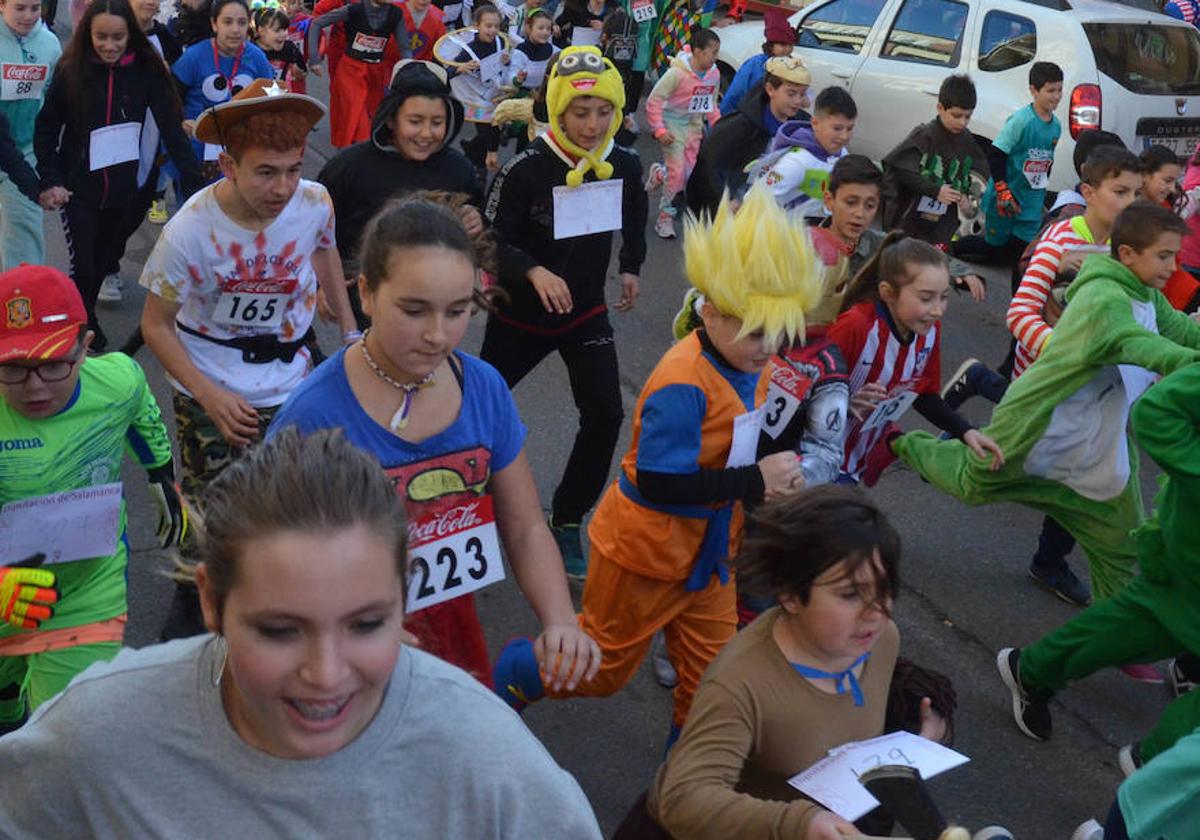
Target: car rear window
<point>1145,58</point>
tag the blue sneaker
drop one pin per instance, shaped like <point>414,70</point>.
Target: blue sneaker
<point>515,676</point>
<point>570,545</point>
<point>1061,581</point>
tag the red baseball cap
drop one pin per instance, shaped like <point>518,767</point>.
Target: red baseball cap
<point>40,313</point>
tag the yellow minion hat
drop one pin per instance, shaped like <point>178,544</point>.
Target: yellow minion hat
<point>584,71</point>
<point>756,264</point>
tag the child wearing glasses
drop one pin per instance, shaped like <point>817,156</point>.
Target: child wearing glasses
<point>66,420</point>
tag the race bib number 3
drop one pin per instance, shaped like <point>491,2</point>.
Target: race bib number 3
<point>702,99</point>
<point>22,81</point>
<point>643,10</point>
<point>254,303</point>
<point>453,553</point>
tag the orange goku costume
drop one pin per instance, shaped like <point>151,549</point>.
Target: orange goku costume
<point>662,535</point>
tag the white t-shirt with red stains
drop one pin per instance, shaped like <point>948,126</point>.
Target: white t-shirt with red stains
<point>232,282</point>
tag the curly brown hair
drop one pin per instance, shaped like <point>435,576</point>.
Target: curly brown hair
<point>278,131</point>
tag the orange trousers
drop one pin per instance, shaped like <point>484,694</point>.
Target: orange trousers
<point>622,611</point>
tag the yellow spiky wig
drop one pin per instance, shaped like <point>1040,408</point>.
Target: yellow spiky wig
<point>757,264</point>
<point>584,71</point>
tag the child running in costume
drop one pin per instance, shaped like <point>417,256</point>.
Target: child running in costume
<point>425,25</point>
<point>813,673</point>
<point>929,173</point>
<point>297,33</point>
<point>1155,616</point>
<point>532,56</point>
<point>678,108</point>
<point>662,533</point>
<point>555,275</point>
<point>271,35</point>
<point>67,420</point>
<point>889,333</point>
<point>1063,423</point>
<point>778,40</point>
<point>358,84</point>
<point>445,428</point>
<point>214,70</point>
<point>477,94</point>
<point>525,115</point>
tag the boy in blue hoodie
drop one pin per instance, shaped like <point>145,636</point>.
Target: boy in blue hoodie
<point>797,166</point>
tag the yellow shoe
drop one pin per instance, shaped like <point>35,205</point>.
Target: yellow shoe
<point>157,214</point>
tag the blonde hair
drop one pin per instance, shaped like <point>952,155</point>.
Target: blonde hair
<point>757,264</point>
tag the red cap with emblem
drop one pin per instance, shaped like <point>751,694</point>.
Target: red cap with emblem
<point>40,313</point>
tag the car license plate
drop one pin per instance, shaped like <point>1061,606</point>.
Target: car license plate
<point>1184,147</point>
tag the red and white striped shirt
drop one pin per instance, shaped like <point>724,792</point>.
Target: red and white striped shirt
<point>875,353</point>
<point>1025,313</point>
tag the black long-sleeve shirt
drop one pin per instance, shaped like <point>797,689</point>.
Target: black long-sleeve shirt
<point>14,165</point>
<point>520,207</point>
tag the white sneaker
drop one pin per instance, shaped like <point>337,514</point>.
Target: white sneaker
<point>656,177</point>
<point>664,671</point>
<point>110,289</point>
<point>1180,684</point>
<point>665,226</point>
<point>1090,830</point>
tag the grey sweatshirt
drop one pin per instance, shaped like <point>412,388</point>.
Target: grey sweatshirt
<point>140,747</point>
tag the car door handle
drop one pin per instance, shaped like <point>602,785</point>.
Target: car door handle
<point>839,75</point>
<point>930,91</point>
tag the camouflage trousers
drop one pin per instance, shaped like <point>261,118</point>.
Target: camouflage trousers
<point>203,452</point>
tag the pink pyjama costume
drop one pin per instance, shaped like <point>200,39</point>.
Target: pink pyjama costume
<point>681,103</point>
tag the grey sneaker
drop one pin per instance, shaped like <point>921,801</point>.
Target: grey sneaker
<point>110,289</point>
<point>664,671</point>
<point>1031,712</point>
<point>1090,830</point>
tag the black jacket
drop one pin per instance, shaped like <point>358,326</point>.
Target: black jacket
<point>118,94</point>
<point>363,177</point>
<point>734,141</point>
<point>917,168</point>
<point>520,207</point>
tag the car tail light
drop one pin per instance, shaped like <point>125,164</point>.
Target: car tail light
<point>1085,109</point>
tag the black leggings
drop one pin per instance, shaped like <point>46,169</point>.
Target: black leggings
<point>95,241</point>
<point>591,360</point>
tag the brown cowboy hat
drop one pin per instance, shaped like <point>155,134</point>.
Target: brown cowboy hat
<point>260,96</point>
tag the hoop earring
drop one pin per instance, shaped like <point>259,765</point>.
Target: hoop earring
<point>216,665</point>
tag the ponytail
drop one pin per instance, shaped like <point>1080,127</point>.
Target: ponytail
<point>891,264</point>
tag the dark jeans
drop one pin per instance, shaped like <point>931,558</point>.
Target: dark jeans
<point>591,360</point>
<point>978,249</point>
<point>1054,544</point>
<point>1114,828</point>
<point>95,240</point>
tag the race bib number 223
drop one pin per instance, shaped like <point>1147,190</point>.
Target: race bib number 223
<point>453,553</point>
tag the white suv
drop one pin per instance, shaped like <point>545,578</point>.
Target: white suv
<point>1128,71</point>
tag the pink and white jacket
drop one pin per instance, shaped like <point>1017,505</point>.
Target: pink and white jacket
<point>681,95</point>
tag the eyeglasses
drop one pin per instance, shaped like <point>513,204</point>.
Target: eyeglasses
<point>55,371</point>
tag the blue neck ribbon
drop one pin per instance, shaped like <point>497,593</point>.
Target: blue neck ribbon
<point>840,678</point>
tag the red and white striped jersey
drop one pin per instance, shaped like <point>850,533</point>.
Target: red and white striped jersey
<point>875,353</point>
<point>1026,320</point>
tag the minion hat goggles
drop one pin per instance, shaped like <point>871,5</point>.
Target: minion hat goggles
<point>583,71</point>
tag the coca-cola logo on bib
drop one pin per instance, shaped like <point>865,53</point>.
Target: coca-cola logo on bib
<point>25,72</point>
<point>451,521</point>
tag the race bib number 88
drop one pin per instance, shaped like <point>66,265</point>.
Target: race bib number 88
<point>453,553</point>
<point>22,81</point>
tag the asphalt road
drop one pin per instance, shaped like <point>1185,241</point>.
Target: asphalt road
<point>964,594</point>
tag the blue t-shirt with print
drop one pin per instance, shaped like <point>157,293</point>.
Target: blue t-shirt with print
<point>206,83</point>
<point>451,467</point>
<point>1029,142</point>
